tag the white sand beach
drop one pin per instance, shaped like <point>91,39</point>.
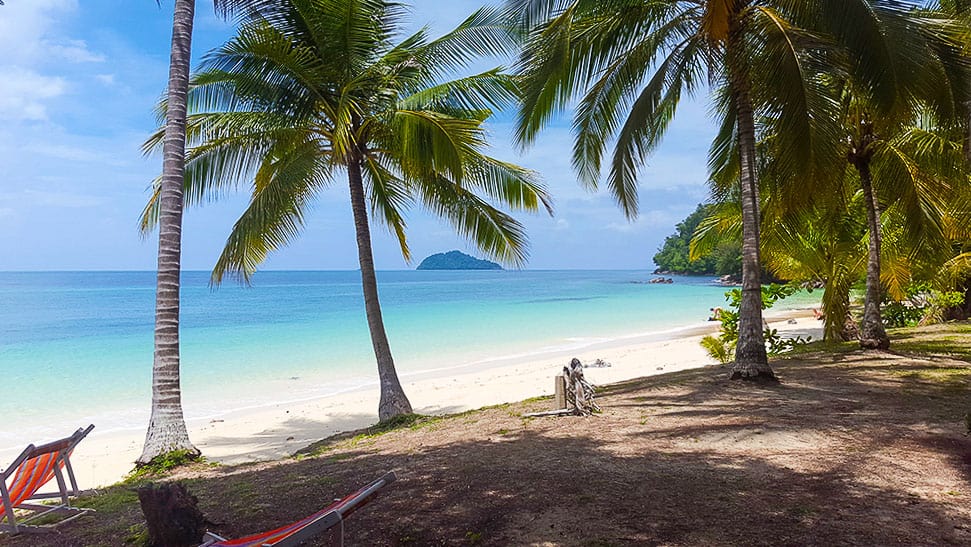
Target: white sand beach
<point>278,431</point>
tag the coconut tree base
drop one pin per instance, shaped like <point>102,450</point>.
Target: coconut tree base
<point>391,406</point>
<point>873,335</point>
<point>167,442</point>
<point>753,372</point>
<point>875,343</point>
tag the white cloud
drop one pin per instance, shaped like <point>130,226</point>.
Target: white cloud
<point>24,93</point>
<point>37,56</point>
<point>75,51</point>
<point>26,27</point>
<point>106,79</point>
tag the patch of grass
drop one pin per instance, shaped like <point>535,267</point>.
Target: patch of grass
<point>950,379</point>
<point>162,465</point>
<point>502,431</point>
<point>359,437</point>
<point>243,497</point>
<point>112,500</point>
<point>939,346</point>
<point>473,537</point>
<point>340,457</point>
<point>137,535</point>
<point>411,422</point>
<point>947,339</point>
<point>821,346</point>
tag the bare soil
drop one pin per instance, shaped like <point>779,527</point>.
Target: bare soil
<point>851,448</point>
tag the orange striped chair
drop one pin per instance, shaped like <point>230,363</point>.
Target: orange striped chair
<point>34,468</point>
<point>306,529</point>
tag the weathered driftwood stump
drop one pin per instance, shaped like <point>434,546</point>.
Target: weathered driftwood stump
<point>573,393</point>
<point>579,391</point>
<point>172,515</point>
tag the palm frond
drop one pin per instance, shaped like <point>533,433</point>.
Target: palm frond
<point>497,234</point>
<point>286,181</point>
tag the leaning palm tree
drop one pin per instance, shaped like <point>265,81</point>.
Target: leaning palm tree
<point>307,91</point>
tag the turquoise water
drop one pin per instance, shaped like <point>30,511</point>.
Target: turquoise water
<point>77,346</point>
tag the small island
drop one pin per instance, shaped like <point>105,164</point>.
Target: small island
<point>455,260</point>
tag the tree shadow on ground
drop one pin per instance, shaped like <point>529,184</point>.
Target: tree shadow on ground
<point>844,452</point>
<point>529,487</point>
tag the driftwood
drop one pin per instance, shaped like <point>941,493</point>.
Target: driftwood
<point>578,390</point>
<point>172,515</point>
<point>574,394</point>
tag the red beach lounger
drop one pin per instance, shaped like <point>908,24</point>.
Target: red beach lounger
<point>303,530</point>
<point>34,468</point>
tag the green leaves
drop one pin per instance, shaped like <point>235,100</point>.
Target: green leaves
<point>310,88</point>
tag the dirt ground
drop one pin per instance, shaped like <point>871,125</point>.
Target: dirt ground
<point>850,448</point>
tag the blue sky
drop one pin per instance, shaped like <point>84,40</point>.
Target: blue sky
<point>78,82</point>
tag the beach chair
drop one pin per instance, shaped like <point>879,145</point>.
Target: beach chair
<point>34,468</point>
<point>310,527</point>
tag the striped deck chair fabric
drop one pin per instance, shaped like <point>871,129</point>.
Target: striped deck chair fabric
<point>309,527</point>
<point>35,467</point>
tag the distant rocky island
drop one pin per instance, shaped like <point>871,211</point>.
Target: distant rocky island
<point>455,260</point>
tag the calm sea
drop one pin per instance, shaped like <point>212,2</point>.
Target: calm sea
<point>77,346</point>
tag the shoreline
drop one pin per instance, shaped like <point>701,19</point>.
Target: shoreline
<point>277,430</point>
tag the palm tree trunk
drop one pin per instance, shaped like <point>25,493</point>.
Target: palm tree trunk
<point>166,428</point>
<point>872,333</point>
<point>751,361</point>
<point>393,399</point>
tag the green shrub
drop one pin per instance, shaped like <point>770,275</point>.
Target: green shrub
<point>722,347</point>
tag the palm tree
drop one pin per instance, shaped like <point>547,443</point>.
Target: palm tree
<point>817,243</point>
<point>633,60</point>
<point>932,89</point>
<point>309,90</point>
<point>166,428</point>
<point>916,175</point>
<point>918,167</point>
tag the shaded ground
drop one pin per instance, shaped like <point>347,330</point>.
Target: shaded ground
<point>850,449</point>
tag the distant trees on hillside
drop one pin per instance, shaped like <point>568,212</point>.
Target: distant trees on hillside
<point>674,254</point>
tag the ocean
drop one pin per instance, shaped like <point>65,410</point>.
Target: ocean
<point>76,347</point>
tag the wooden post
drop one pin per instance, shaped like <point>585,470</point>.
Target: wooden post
<point>559,399</point>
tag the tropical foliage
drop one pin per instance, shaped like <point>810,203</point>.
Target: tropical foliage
<point>722,347</point>
<point>628,63</point>
<point>307,92</point>
<point>674,256</point>
<point>896,174</point>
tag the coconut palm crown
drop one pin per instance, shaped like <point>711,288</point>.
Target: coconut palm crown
<point>309,91</point>
<point>626,64</point>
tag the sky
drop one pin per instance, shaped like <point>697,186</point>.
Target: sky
<point>78,84</point>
